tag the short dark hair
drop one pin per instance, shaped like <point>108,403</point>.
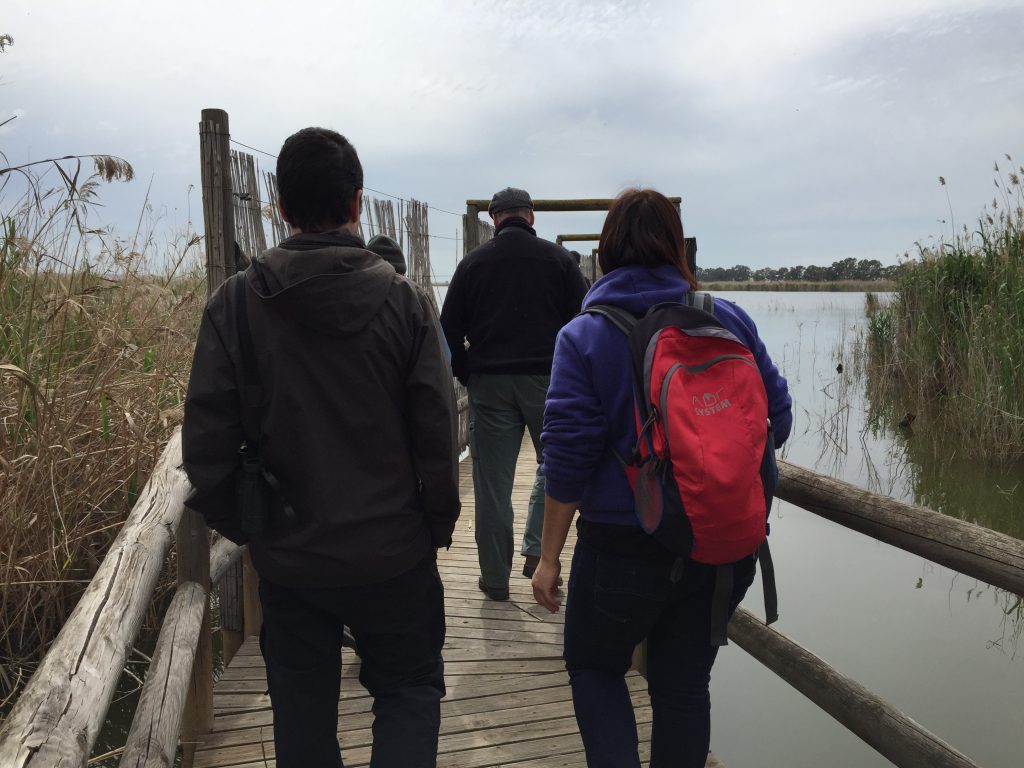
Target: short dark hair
<point>643,228</point>
<point>318,175</point>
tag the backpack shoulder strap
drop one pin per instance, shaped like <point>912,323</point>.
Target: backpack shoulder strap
<point>251,391</point>
<point>248,348</point>
<point>622,319</point>
<point>701,300</point>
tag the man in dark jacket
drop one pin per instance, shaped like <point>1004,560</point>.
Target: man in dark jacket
<point>356,419</point>
<point>508,299</point>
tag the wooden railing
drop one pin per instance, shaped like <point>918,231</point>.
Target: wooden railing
<point>992,557</point>
<point>58,716</point>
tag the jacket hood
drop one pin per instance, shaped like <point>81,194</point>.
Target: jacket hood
<point>637,289</point>
<point>328,282</point>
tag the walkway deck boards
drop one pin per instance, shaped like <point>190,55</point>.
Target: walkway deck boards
<point>508,701</point>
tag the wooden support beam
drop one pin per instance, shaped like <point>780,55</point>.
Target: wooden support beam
<point>59,714</point>
<point>153,737</point>
<point>590,204</point>
<point>577,238</point>
<point>887,730</point>
<point>995,558</point>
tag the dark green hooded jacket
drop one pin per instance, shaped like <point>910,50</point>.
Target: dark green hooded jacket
<point>359,423</point>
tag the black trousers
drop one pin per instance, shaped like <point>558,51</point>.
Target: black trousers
<point>614,602</point>
<point>399,626</point>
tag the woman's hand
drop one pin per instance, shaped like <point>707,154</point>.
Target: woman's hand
<point>545,584</point>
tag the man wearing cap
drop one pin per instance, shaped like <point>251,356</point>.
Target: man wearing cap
<point>508,299</point>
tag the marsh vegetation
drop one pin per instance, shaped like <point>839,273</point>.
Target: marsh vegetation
<point>948,346</point>
<point>95,348</point>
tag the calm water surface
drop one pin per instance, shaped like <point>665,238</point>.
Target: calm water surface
<point>938,645</point>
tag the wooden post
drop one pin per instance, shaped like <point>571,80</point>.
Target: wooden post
<point>218,204</point>
<point>471,234</point>
<point>691,254</point>
<point>252,611</point>
<point>193,538</point>
<point>232,622</point>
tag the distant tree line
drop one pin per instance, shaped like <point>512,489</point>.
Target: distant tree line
<point>847,269</point>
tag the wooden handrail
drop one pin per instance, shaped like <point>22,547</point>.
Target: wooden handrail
<point>153,737</point>
<point>223,554</point>
<point>875,721</point>
<point>995,558</point>
<point>59,714</point>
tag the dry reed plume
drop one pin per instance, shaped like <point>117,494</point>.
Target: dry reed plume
<point>95,349</point>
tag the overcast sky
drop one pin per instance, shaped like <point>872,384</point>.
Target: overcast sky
<point>795,132</point>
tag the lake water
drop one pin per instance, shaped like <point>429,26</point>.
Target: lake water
<point>935,644</point>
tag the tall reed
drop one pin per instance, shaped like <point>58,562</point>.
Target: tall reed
<point>950,345</point>
<point>95,348</point>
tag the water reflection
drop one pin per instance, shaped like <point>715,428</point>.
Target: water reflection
<point>937,475</point>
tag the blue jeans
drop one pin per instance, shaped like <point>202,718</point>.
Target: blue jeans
<point>502,406</point>
<point>613,603</point>
<point>399,626</point>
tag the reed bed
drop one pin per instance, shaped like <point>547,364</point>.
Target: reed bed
<point>95,349</point>
<point>949,345</point>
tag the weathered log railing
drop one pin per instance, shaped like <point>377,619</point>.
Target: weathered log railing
<point>970,549</point>
<point>57,718</point>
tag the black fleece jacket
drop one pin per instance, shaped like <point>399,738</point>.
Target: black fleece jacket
<point>359,420</point>
<point>509,298</point>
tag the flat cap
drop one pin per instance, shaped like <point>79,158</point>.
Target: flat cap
<point>509,199</point>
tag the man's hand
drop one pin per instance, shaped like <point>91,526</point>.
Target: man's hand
<point>545,584</point>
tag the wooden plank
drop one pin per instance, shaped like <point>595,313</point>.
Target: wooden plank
<point>355,713</point>
<point>496,726</point>
<point>59,714</point>
<point>508,699</point>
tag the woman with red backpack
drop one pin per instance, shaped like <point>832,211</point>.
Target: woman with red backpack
<point>627,585</point>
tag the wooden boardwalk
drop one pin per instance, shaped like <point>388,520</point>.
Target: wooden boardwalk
<point>508,701</point>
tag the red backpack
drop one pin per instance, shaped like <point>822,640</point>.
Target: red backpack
<point>703,469</point>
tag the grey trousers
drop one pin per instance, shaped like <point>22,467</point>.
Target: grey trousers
<point>501,407</point>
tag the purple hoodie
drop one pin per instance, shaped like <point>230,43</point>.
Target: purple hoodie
<point>590,408</point>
